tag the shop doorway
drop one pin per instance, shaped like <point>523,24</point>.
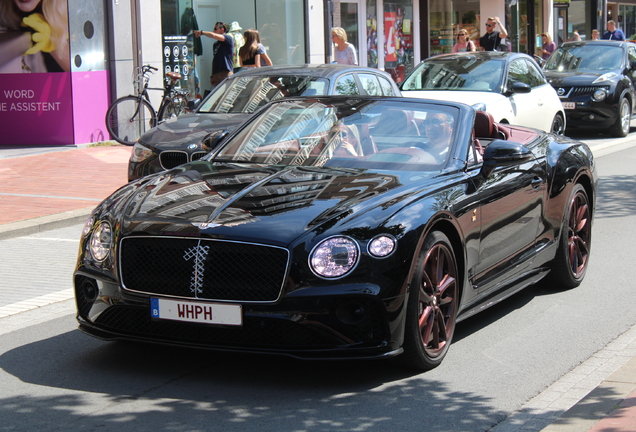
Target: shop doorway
<point>207,14</point>
<point>351,19</point>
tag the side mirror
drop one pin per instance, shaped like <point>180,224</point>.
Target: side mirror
<point>212,140</point>
<point>519,87</point>
<point>192,104</point>
<point>503,153</point>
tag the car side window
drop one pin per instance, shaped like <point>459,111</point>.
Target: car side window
<point>518,72</point>
<point>346,85</point>
<point>387,88</point>
<point>631,53</point>
<point>536,77</point>
<point>370,84</point>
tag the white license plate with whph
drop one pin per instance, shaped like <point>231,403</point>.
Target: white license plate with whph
<point>568,105</point>
<point>199,312</point>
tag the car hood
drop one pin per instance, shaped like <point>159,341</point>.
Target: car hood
<point>569,79</point>
<point>467,97</point>
<point>190,128</point>
<point>272,205</point>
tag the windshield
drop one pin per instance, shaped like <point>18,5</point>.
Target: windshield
<point>583,58</point>
<point>456,73</point>
<point>248,93</point>
<point>347,133</point>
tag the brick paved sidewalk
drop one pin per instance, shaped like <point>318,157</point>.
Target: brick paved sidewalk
<point>69,181</point>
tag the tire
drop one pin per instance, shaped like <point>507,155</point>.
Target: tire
<point>172,108</point>
<point>622,125</point>
<point>558,124</point>
<point>127,119</point>
<point>432,305</point>
<point>572,257</point>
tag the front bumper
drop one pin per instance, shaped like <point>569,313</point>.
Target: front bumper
<point>336,325</point>
<point>591,114</point>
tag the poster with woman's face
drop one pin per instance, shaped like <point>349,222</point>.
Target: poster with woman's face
<point>35,91</point>
<point>34,36</point>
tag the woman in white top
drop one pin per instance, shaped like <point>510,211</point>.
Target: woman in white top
<point>345,53</point>
<point>463,42</point>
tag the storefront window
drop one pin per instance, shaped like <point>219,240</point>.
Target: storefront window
<point>372,34</point>
<point>281,26</point>
<point>398,34</point>
<point>447,18</point>
<point>627,20</point>
<point>576,21</point>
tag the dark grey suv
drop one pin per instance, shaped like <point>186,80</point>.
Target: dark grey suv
<point>595,82</point>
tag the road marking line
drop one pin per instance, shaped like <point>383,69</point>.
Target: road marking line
<point>34,303</point>
<point>49,238</point>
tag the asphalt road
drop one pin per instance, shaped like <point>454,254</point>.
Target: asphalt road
<point>52,377</point>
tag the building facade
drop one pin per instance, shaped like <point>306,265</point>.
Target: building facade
<point>103,41</point>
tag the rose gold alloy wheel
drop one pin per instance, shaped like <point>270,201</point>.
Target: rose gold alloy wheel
<point>437,300</point>
<point>579,234</point>
<point>572,257</point>
<point>432,305</point>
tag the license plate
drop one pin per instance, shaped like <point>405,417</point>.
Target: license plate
<point>568,105</point>
<point>199,312</point>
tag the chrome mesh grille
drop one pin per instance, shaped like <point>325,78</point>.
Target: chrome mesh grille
<point>204,269</point>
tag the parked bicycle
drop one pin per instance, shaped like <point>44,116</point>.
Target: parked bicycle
<point>130,116</point>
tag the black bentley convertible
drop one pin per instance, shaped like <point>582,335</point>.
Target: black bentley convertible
<point>339,227</point>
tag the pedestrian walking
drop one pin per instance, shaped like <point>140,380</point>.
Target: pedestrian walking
<point>548,45</point>
<point>345,53</point>
<point>223,48</point>
<point>250,53</point>
<point>265,60</point>
<point>492,39</point>
<point>595,34</point>
<point>613,33</point>
<point>464,43</point>
<point>576,37</point>
<point>239,41</point>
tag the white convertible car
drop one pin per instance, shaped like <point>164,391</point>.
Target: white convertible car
<point>511,86</point>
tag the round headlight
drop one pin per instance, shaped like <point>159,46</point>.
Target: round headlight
<point>101,241</point>
<point>599,95</point>
<point>334,257</point>
<point>382,246</point>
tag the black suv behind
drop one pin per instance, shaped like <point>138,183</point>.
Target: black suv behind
<point>595,81</point>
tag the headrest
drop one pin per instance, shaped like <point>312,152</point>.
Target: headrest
<point>484,124</point>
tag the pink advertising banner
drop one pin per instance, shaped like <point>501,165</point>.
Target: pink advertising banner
<point>36,102</point>
<point>36,109</point>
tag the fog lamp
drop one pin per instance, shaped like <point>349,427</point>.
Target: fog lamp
<point>599,95</point>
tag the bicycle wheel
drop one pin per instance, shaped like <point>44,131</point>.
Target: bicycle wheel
<point>172,107</point>
<point>128,118</point>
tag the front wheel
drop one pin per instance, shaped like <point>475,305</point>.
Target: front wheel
<point>623,122</point>
<point>128,118</point>
<point>558,124</point>
<point>172,107</point>
<point>570,263</point>
<point>432,305</point>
